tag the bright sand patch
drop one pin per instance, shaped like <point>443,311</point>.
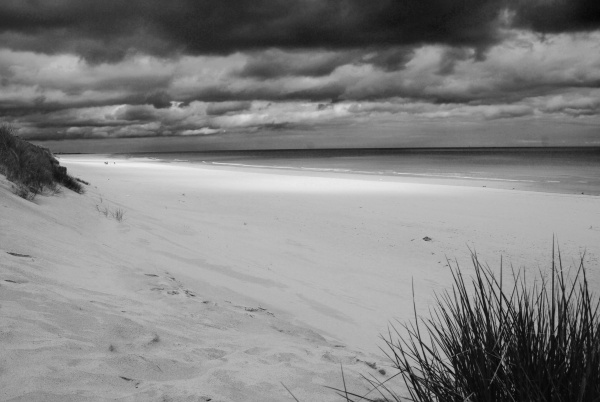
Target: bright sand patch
<point>221,283</point>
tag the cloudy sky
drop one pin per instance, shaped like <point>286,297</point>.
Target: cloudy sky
<point>302,73</point>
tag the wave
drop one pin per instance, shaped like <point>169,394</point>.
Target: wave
<point>371,172</point>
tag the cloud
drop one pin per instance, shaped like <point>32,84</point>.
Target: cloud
<point>523,66</point>
<point>520,67</point>
<point>111,30</point>
<point>203,67</point>
<point>574,105</point>
<point>557,16</point>
<point>275,63</point>
<point>63,81</point>
<point>221,108</point>
<point>199,118</point>
<point>136,113</point>
<point>201,131</point>
<point>486,112</point>
<point>158,98</point>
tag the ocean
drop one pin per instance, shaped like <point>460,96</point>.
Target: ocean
<point>570,170</point>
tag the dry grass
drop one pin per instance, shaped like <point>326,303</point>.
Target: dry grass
<point>118,214</point>
<point>536,341</point>
<point>32,169</point>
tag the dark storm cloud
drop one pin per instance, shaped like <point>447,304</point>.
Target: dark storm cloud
<point>138,113</point>
<point>390,58</point>
<point>449,59</point>
<point>98,31</point>
<point>70,118</point>
<point>556,16</point>
<point>109,30</point>
<point>159,99</point>
<point>276,63</point>
<point>113,68</point>
<point>221,108</point>
<point>256,91</point>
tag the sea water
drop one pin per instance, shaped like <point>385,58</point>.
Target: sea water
<point>559,170</point>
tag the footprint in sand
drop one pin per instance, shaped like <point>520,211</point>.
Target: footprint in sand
<point>255,310</point>
<point>137,383</point>
<point>171,289</point>
<point>273,358</point>
<point>210,353</point>
<point>339,358</point>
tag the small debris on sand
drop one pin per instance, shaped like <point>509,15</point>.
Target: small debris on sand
<point>18,255</point>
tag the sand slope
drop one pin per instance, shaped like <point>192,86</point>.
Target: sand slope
<point>90,314</point>
<point>221,283</point>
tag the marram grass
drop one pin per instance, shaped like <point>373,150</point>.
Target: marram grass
<point>486,341</point>
<point>31,169</point>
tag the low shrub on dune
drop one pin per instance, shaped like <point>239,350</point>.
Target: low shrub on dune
<point>32,169</point>
<point>530,341</point>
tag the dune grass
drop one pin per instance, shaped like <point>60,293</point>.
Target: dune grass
<point>118,214</point>
<point>32,169</point>
<point>530,341</point>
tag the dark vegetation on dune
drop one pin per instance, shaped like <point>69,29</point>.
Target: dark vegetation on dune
<point>32,169</point>
<point>529,341</point>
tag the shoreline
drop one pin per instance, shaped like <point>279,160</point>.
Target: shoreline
<point>425,178</point>
<point>496,183</point>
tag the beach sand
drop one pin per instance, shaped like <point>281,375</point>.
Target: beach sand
<point>223,283</point>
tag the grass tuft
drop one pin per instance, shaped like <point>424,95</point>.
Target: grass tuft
<point>536,341</point>
<point>81,181</point>
<point>118,214</point>
<point>102,210</point>
<point>32,169</point>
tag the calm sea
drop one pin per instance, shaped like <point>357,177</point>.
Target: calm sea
<point>561,170</point>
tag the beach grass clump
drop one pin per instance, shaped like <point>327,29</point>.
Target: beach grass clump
<point>32,169</point>
<point>118,214</point>
<point>529,341</point>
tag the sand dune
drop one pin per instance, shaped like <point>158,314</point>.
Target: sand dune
<point>221,283</point>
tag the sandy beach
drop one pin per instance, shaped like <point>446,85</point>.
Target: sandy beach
<point>224,283</point>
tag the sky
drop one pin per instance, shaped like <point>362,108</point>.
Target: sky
<point>243,74</point>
